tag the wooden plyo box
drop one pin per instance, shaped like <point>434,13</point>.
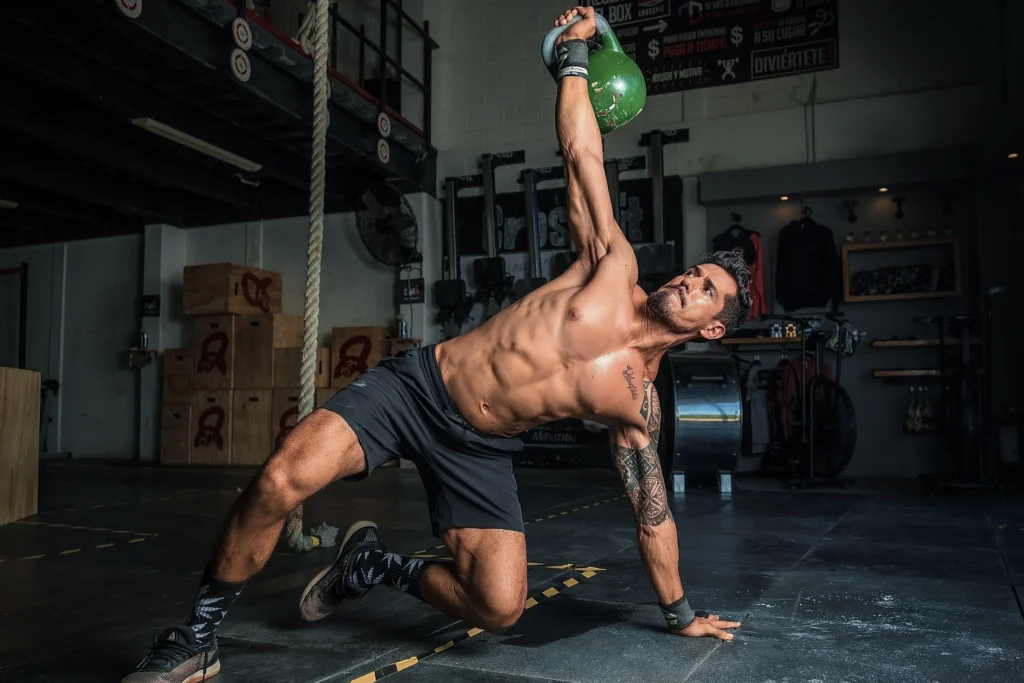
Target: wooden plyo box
<point>285,413</point>
<point>252,438</point>
<point>211,427</point>
<point>178,368</point>
<point>19,444</point>
<point>354,350</point>
<point>256,338</point>
<point>229,288</point>
<point>213,355</point>
<point>288,368</point>
<point>176,435</point>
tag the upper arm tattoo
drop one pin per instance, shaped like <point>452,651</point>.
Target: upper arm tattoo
<point>651,411</point>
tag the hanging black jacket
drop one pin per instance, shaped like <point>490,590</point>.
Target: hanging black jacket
<point>807,271</point>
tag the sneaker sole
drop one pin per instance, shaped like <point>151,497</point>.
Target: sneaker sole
<point>356,526</point>
<point>199,676</point>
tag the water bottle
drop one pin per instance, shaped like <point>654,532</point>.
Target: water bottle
<point>403,327</point>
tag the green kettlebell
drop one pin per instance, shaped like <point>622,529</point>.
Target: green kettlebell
<point>618,91</point>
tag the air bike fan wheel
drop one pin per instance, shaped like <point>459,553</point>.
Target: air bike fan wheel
<point>387,225</point>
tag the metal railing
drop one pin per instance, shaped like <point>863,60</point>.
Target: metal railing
<point>385,60</point>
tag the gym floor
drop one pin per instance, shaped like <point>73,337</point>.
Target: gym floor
<point>856,585</point>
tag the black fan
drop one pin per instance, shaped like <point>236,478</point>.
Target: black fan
<point>387,225</point>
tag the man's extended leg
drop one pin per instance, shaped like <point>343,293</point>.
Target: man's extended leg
<point>319,450</point>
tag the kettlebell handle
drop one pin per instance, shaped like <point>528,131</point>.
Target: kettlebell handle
<point>547,48</point>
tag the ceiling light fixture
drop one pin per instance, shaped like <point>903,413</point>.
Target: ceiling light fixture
<point>784,198</point>
<point>5,204</point>
<point>883,189</point>
<point>201,146</point>
<point>1012,155</point>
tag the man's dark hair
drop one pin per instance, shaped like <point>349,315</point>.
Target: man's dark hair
<point>735,309</point>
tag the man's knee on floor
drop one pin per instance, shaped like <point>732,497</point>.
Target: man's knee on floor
<point>500,609</point>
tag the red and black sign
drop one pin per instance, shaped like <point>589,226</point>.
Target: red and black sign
<point>689,44</point>
<point>350,365</point>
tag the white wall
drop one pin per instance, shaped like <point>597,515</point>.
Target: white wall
<point>909,79</point>
<point>82,317</point>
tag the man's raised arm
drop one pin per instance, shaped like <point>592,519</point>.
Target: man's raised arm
<point>591,221</point>
<point>636,459</point>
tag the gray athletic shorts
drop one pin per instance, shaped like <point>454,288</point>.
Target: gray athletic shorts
<point>402,409</point>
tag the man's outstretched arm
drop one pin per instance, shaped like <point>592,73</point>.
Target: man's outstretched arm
<point>636,459</point>
<point>591,221</point>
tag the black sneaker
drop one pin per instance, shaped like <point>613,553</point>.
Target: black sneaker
<point>175,657</point>
<point>329,588</point>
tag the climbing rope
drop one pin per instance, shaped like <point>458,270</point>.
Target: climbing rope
<point>322,535</point>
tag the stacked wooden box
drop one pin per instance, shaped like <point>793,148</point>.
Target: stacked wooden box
<point>233,396</point>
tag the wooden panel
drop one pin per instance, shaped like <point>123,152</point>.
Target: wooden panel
<point>288,368</point>
<point>951,242</point>
<point>177,384</point>
<point>913,343</point>
<point>252,439</point>
<point>214,353</point>
<point>901,244</point>
<point>229,288</point>
<point>285,413</point>
<point>176,435</point>
<point>256,338</point>
<point>178,361</point>
<point>354,350</point>
<point>19,444</point>
<point>211,427</point>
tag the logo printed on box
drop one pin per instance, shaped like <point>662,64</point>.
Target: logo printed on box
<point>210,433</point>
<point>211,358</point>
<point>254,290</point>
<point>349,365</point>
<point>284,427</point>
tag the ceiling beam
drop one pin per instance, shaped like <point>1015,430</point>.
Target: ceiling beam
<point>135,159</point>
<point>53,204</point>
<point>56,175</point>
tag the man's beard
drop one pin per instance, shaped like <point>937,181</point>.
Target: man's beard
<point>662,308</point>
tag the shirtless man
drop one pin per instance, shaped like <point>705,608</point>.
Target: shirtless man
<point>585,345</point>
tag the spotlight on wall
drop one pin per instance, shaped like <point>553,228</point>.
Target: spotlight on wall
<point>5,204</point>
<point>1012,155</point>
<point>883,189</point>
<point>784,198</point>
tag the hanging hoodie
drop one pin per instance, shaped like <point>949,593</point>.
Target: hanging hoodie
<point>807,273</point>
<point>748,243</point>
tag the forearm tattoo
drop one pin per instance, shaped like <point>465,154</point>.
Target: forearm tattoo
<point>641,469</point>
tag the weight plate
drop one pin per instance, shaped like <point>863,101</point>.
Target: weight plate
<point>240,66</point>
<point>130,8</point>
<point>241,32</point>
<point>383,124</point>
<point>383,151</point>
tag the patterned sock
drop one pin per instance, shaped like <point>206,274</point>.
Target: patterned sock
<point>373,567</point>
<point>212,603</point>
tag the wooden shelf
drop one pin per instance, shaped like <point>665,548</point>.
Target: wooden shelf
<point>912,343</point>
<point>905,373</point>
<point>901,244</point>
<point>903,297</point>
<point>848,249</point>
<point>741,341</point>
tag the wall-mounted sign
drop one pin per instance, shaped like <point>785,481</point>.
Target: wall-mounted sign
<point>689,44</point>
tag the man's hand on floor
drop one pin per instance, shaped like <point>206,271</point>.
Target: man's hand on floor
<point>711,626</point>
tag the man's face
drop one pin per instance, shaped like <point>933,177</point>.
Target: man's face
<point>693,301</point>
